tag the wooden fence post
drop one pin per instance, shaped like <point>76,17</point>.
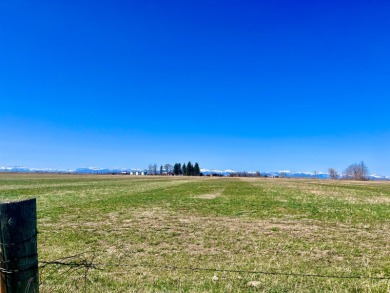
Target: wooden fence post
<point>18,247</point>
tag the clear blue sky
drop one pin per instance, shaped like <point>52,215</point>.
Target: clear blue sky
<point>247,85</point>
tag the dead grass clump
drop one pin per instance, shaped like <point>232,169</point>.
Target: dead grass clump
<point>208,196</point>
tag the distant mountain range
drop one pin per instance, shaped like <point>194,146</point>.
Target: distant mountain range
<point>94,170</point>
<point>287,173</point>
<point>89,170</point>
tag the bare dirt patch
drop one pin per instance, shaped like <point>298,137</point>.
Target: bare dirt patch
<point>211,195</point>
<point>208,196</point>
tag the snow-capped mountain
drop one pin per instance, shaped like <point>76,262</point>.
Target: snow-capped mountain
<point>95,170</point>
<point>379,177</point>
<point>87,170</point>
<point>315,175</point>
<point>298,174</point>
<point>215,171</point>
<point>33,170</point>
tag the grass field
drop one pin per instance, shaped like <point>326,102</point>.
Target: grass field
<point>164,234</point>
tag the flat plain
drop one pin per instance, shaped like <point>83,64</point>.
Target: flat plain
<point>187,234</point>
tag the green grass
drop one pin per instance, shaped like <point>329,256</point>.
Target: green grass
<point>145,233</point>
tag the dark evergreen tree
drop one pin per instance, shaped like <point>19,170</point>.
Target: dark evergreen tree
<point>161,170</point>
<point>176,169</point>
<point>190,169</point>
<point>179,168</point>
<point>184,169</point>
<point>196,170</point>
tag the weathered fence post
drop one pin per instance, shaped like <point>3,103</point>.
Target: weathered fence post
<point>18,247</point>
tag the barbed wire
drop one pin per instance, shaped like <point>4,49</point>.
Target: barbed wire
<point>79,261</point>
<point>253,272</point>
<point>88,265</point>
<point>76,269</point>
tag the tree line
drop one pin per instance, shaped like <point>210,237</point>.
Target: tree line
<point>245,174</point>
<point>186,169</point>
<point>356,171</point>
<point>177,169</point>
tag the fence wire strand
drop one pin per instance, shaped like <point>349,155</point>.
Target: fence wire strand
<point>88,265</point>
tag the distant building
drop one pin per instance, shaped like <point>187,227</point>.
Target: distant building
<point>138,173</point>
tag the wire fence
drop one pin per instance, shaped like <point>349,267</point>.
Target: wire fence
<point>77,268</point>
<point>80,265</point>
<point>89,264</point>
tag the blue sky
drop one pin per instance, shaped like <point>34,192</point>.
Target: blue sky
<point>247,85</point>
